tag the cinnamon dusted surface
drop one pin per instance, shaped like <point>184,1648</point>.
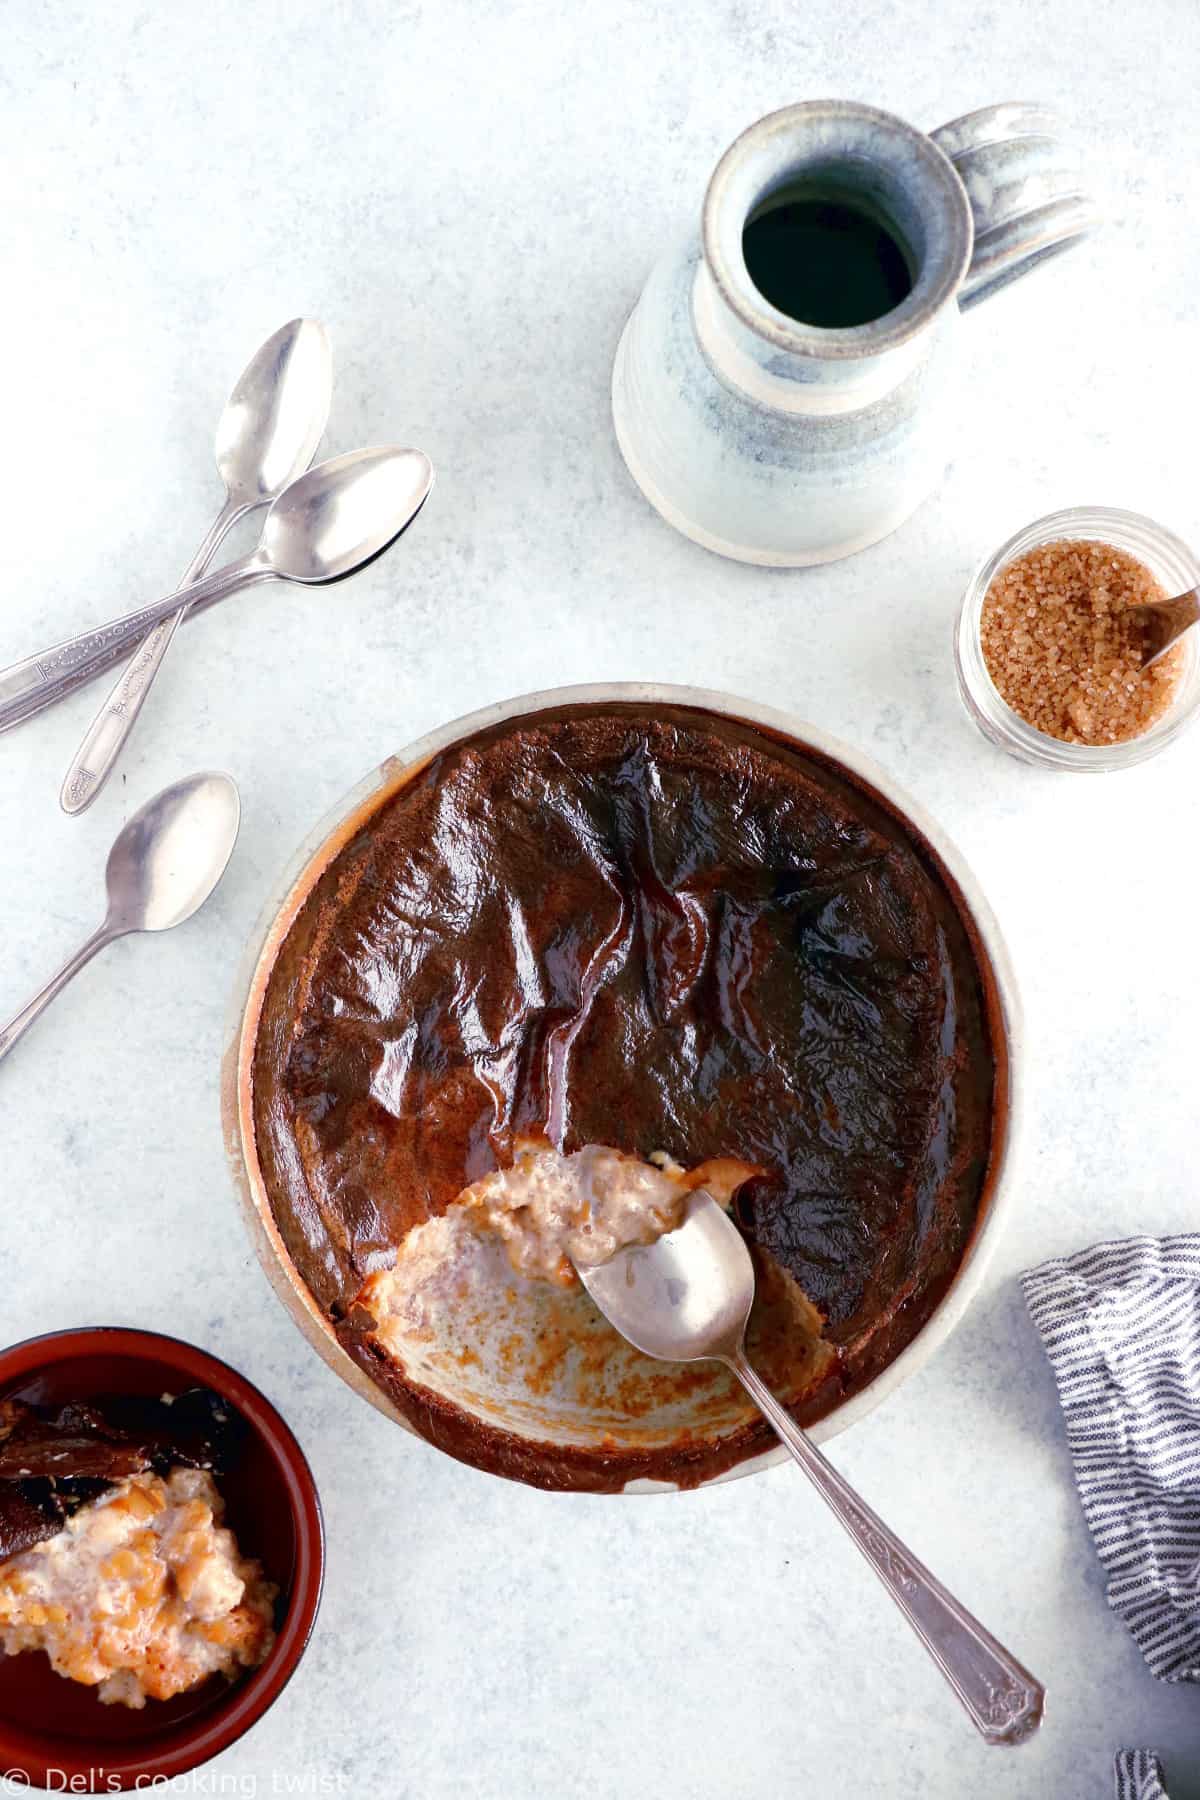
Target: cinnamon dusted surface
<point>669,933</point>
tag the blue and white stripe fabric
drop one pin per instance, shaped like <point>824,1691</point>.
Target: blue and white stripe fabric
<point>1121,1326</point>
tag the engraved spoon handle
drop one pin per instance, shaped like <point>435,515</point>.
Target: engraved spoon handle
<point>19,1024</point>
<point>1004,1700</point>
<point>29,686</point>
<point>97,755</point>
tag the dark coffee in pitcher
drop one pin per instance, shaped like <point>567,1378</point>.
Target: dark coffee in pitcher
<point>824,260</point>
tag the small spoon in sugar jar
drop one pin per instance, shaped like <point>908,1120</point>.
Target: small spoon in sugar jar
<point>1160,623</point>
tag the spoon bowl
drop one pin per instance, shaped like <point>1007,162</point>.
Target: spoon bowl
<point>1161,623</point>
<point>344,513</point>
<point>685,1298</point>
<point>172,853</point>
<point>276,415</point>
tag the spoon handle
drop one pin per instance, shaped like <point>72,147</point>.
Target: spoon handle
<point>1004,1700</point>
<point>97,755</point>
<point>28,687</point>
<point>19,1024</point>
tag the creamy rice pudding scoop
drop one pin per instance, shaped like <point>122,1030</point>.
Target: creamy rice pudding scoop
<point>143,1595</point>
<point>552,1211</point>
<point>114,1556</point>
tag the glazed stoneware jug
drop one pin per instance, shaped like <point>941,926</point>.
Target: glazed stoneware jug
<point>776,441</point>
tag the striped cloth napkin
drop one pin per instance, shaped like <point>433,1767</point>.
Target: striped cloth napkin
<point>1139,1776</point>
<point>1121,1326</point>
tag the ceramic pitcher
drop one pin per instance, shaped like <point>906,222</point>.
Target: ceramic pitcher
<point>775,441</point>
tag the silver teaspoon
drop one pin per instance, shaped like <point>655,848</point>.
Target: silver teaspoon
<point>268,434</point>
<point>325,525</point>
<point>687,1299</point>
<point>161,869</point>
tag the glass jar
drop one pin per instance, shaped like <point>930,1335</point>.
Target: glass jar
<point>1166,556</point>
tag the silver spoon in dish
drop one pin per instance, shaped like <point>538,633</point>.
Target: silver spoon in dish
<point>324,526</point>
<point>163,866</point>
<point>268,434</point>
<point>687,1298</point>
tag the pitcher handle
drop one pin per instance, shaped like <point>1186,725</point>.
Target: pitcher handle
<point>1025,190</point>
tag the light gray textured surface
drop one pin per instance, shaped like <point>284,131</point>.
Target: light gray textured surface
<point>470,195</point>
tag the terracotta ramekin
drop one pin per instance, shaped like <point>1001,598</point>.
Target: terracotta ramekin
<point>54,1733</point>
<point>337,828</point>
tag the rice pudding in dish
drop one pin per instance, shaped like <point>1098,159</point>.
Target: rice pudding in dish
<point>114,1559</point>
<point>554,1211</point>
<point>660,937</point>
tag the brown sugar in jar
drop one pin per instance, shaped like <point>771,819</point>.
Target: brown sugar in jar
<point>1059,650</point>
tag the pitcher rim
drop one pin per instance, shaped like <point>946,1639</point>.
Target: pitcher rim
<point>934,287</point>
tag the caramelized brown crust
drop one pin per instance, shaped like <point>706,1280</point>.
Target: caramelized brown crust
<point>53,1460</point>
<point>664,932</point>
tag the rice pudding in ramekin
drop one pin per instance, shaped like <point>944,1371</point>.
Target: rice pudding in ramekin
<point>54,1729</point>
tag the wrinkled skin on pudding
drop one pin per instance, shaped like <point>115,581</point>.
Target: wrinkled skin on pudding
<point>667,933</point>
<point>55,1459</point>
